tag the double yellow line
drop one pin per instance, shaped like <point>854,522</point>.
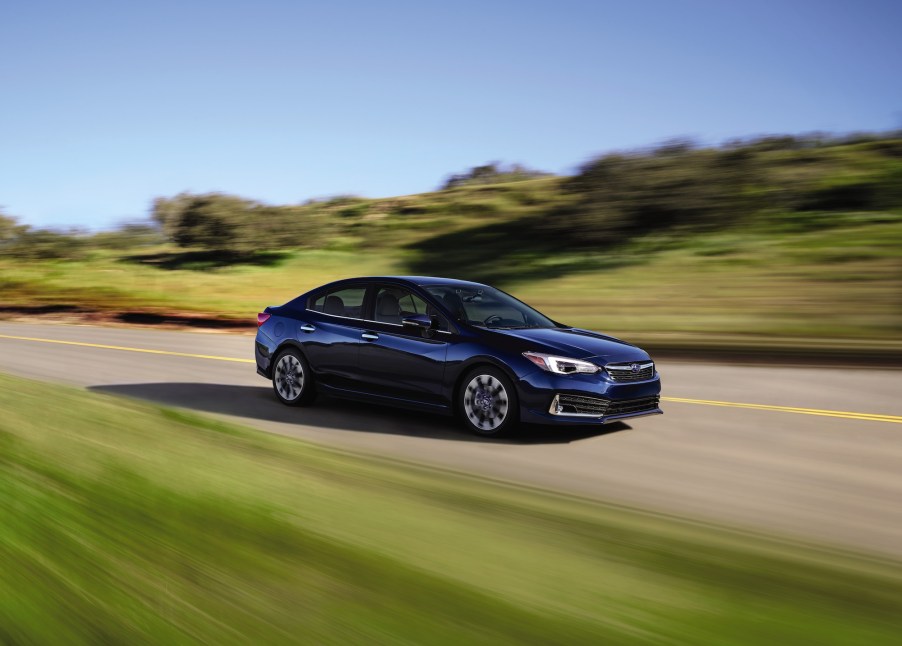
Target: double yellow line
<point>870,417</point>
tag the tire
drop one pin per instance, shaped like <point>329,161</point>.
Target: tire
<point>292,379</point>
<point>487,402</point>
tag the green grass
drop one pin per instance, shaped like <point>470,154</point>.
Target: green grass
<point>127,522</point>
<point>108,283</point>
<point>834,283</point>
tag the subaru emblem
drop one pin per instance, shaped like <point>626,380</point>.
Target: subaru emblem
<point>634,367</point>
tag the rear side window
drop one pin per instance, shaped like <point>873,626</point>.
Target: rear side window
<point>347,302</point>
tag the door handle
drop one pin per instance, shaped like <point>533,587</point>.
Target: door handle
<point>369,336</point>
<point>306,327</point>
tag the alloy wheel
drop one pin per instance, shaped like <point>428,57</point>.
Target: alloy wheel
<point>486,402</point>
<point>289,377</point>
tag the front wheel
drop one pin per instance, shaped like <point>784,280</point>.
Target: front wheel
<point>488,401</point>
<point>292,379</point>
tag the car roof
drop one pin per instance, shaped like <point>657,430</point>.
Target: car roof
<point>425,281</point>
<point>422,281</point>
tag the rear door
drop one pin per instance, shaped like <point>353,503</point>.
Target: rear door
<point>331,334</point>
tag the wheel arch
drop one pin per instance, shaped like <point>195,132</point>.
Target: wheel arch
<point>285,345</point>
<point>289,343</point>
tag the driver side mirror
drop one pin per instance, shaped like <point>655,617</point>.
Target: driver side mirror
<point>421,321</point>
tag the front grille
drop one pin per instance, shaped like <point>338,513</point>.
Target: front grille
<point>633,405</point>
<point>625,372</point>
<point>580,405</point>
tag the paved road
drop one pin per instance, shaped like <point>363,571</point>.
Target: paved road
<point>835,479</point>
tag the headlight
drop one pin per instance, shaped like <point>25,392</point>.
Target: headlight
<point>561,365</point>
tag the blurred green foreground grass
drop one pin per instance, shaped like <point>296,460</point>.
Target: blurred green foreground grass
<point>128,522</point>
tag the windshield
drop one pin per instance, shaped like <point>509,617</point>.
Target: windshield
<point>488,307</point>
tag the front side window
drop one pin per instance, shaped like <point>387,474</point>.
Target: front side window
<point>346,301</point>
<point>394,303</point>
<point>488,307</point>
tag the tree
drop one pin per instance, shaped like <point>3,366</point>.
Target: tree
<point>213,221</point>
<point>11,233</point>
<point>10,229</point>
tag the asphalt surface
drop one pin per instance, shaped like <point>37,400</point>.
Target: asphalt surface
<point>831,474</point>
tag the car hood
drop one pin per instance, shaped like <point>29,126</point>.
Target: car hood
<point>576,343</point>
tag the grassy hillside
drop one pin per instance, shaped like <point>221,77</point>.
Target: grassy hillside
<point>177,529</point>
<point>789,238</point>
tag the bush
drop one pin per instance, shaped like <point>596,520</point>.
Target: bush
<point>211,221</point>
<point>20,241</point>
<point>44,244</point>
<point>492,173</point>
<point>128,236</point>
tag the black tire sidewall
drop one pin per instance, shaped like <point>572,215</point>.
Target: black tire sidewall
<point>308,391</point>
<point>513,403</point>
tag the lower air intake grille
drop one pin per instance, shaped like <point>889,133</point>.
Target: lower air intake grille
<point>596,407</point>
<point>579,405</point>
<point>633,405</point>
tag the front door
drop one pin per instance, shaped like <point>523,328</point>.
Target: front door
<point>398,360</point>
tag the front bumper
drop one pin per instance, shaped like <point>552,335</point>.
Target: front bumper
<point>546,398</point>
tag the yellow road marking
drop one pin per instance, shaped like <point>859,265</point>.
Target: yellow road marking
<point>873,417</point>
<point>126,349</point>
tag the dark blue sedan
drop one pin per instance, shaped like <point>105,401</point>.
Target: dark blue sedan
<point>453,347</point>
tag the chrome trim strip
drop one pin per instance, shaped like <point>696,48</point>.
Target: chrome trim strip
<point>351,318</point>
<point>604,419</point>
<point>641,366</point>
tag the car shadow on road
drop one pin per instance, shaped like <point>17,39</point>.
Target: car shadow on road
<point>259,403</point>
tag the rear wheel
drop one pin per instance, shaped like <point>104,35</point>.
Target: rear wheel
<point>488,401</point>
<point>292,379</point>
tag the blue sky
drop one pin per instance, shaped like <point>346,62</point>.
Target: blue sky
<point>105,105</point>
